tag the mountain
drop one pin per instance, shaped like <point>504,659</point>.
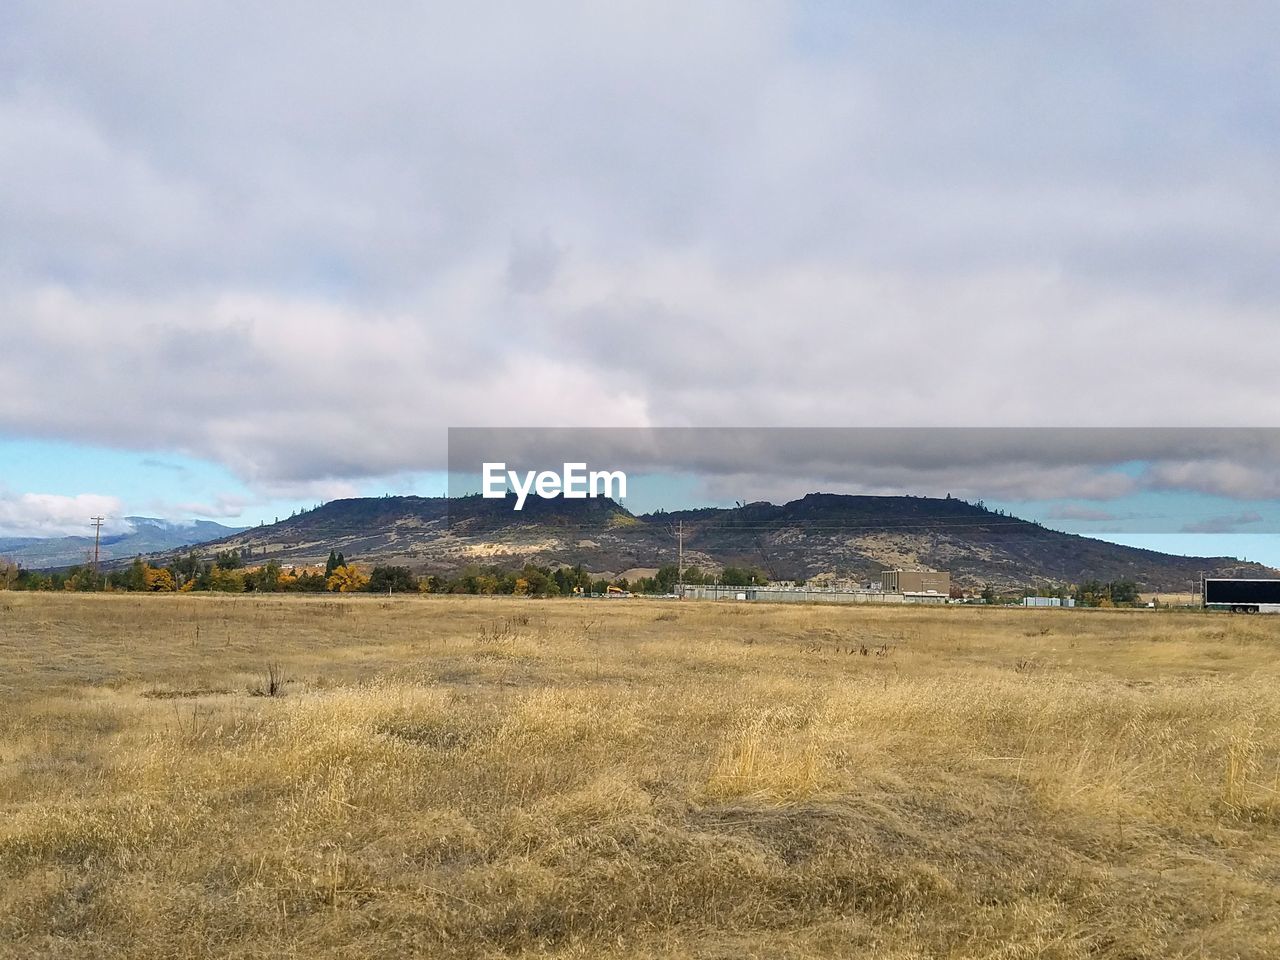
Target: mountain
<point>858,536</point>
<point>852,536</point>
<point>146,535</point>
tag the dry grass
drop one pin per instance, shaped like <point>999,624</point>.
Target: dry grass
<point>438,777</point>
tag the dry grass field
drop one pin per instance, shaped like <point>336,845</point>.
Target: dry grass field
<point>471,777</point>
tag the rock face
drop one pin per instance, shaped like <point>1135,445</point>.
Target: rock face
<point>818,534</point>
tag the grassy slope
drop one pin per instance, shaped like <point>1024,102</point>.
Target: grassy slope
<point>472,777</point>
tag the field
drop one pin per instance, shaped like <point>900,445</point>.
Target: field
<point>472,777</point>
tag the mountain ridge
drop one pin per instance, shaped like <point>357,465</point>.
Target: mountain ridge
<point>840,534</point>
<point>147,535</point>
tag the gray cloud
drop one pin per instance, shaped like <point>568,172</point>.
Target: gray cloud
<point>999,463</point>
<point>300,242</point>
<point>1223,524</point>
<point>1085,514</point>
<point>1245,477</point>
<point>157,464</point>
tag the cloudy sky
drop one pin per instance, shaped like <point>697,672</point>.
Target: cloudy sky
<point>253,256</point>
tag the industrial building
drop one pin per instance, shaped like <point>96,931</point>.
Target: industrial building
<point>916,581</point>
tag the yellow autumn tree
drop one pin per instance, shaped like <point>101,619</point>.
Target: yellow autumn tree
<point>347,578</point>
<point>158,579</point>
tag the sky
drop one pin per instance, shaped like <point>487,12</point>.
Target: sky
<point>257,256</point>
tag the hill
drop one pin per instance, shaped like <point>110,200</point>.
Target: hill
<point>853,536</point>
<point>858,536</point>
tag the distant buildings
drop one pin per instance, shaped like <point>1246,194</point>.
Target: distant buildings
<point>897,586</point>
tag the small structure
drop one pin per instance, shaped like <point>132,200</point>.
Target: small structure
<point>924,596</point>
<point>1048,602</point>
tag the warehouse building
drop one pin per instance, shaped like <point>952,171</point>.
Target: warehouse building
<point>916,581</point>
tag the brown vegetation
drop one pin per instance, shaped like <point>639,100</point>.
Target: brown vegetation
<point>362,777</point>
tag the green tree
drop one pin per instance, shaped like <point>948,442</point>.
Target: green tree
<point>537,580</point>
<point>81,579</point>
<point>226,579</point>
<point>1123,591</point>
<point>229,560</point>
<point>666,577</point>
<point>395,579</point>
<point>137,576</point>
<point>742,577</point>
<point>266,579</point>
<point>187,567</point>
<point>1091,593</point>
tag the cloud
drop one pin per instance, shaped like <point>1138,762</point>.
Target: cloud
<point>54,515</point>
<point>329,233</point>
<point>1008,464</point>
<point>221,507</point>
<point>1223,524</point>
<point>157,464</point>
<point>1247,478</point>
<point>997,482</point>
<point>1085,514</point>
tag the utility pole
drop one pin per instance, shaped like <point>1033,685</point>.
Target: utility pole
<point>680,559</point>
<point>97,534</point>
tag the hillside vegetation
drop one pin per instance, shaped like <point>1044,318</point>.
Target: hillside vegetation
<point>188,776</point>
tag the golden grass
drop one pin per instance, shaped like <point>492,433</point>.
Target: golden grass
<point>471,777</point>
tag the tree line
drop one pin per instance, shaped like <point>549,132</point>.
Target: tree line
<point>1091,593</point>
<point>230,572</point>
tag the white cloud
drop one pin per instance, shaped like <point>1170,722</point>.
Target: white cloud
<point>300,242</point>
<point>54,515</point>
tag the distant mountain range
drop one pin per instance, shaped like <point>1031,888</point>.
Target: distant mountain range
<point>147,535</point>
<point>851,536</point>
